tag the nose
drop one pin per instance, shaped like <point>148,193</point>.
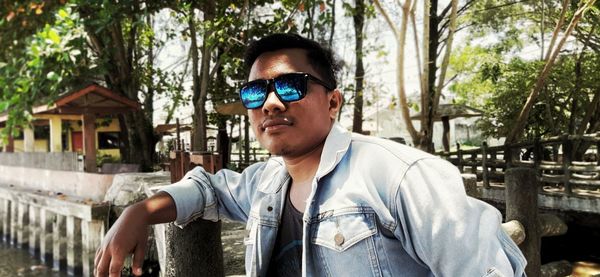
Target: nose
<point>272,104</point>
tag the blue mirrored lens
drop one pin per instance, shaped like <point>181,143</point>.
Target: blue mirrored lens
<point>291,87</point>
<point>254,95</point>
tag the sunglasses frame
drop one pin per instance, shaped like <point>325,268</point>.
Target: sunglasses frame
<point>271,82</point>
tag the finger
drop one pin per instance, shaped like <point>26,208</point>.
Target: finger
<point>116,265</point>
<point>138,258</point>
<point>101,269</point>
<point>97,260</point>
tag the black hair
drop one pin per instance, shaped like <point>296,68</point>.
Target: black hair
<point>320,58</point>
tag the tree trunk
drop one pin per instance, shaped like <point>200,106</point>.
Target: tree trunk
<point>431,65</point>
<point>400,35</point>
<point>359,21</point>
<point>198,111</point>
<point>201,81</point>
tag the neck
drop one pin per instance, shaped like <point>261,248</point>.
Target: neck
<point>304,167</point>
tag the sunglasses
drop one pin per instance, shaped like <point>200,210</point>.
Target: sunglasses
<point>288,87</point>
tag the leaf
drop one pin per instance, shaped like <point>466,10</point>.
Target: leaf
<point>52,76</point>
<point>63,14</point>
<point>53,36</point>
<point>4,105</point>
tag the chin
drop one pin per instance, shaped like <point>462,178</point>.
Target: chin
<point>279,150</point>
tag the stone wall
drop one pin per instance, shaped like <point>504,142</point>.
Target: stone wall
<point>86,185</point>
<point>66,161</point>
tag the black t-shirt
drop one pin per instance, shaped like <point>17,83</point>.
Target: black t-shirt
<point>287,252</point>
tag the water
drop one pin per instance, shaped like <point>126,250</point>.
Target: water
<point>18,262</point>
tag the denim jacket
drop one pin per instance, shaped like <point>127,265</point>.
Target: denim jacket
<point>376,208</point>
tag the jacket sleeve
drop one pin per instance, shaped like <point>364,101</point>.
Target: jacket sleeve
<point>225,194</point>
<point>447,231</point>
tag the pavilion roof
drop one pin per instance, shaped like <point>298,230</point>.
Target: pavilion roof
<point>91,99</point>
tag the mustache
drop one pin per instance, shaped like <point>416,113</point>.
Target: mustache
<point>276,120</point>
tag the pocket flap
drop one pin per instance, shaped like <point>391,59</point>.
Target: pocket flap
<point>343,231</point>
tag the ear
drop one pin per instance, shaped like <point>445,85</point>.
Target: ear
<point>335,103</point>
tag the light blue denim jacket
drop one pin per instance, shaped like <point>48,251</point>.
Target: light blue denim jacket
<point>376,208</point>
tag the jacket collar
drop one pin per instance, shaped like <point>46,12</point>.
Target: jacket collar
<point>336,146</point>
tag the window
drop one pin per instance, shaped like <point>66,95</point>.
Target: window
<point>108,140</point>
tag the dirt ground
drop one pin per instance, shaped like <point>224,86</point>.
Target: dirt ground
<point>232,235</point>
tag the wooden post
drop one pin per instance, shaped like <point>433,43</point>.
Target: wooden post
<point>598,152</point>
<point>195,250</point>
<point>46,241</point>
<point>91,235</point>
<point>55,134</point>
<point>34,230</point>
<point>508,156</point>
<point>5,219</point>
<point>89,142</point>
<point>28,140</point>
<point>521,205</point>
<point>59,249</point>
<point>14,221</point>
<point>567,151</point>
<point>537,158</point>
<point>474,160</point>
<point>446,133</point>
<point>23,225</point>
<point>484,168</point>
<point>459,158</point>
<point>494,158</point>
<point>175,165</point>
<point>74,246</point>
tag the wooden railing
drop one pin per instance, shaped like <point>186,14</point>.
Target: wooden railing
<point>552,158</point>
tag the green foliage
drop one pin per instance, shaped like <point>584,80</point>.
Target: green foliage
<point>493,78</point>
<point>52,57</point>
<point>507,90</point>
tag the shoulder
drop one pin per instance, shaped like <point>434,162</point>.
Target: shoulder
<point>380,155</point>
<point>383,148</point>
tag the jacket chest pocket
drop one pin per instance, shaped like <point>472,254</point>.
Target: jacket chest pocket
<point>346,243</point>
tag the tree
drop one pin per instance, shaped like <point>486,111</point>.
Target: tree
<point>517,130</point>
<point>114,31</point>
<point>549,114</point>
<point>437,34</point>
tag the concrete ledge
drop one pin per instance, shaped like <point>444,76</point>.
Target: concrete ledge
<point>82,208</point>
<point>547,200</point>
<point>86,185</point>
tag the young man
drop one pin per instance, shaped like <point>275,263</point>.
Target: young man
<point>331,203</point>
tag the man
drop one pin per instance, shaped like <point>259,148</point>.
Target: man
<point>331,203</point>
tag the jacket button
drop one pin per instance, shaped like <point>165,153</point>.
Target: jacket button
<point>269,208</point>
<point>339,239</point>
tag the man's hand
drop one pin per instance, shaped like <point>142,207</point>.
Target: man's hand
<point>129,234</point>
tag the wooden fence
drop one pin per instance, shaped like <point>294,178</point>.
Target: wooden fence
<point>552,158</point>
